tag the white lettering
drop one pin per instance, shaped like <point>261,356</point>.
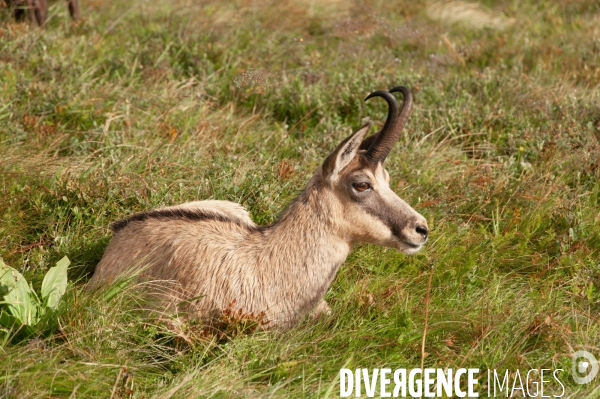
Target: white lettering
<point>412,383</point>
<point>517,377</point>
<point>534,383</point>
<point>428,382</point>
<point>432,383</point>
<point>557,380</point>
<point>459,393</point>
<point>501,386</point>
<point>400,383</point>
<point>344,393</point>
<point>472,382</point>
<point>542,383</point>
<point>445,382</point>
<point>370,386</point>
<point>384,381</point>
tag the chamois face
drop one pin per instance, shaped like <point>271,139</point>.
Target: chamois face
<point>381,217</point>
<point>372,212</point>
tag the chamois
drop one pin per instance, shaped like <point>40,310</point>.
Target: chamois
<point>219,257</point>
<point>37,10</point>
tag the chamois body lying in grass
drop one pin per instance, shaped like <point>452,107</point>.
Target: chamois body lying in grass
<point>221,258</point>
<point>37,10</point>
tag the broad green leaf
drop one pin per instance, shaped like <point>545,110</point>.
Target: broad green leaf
<point>10,322</point>
<point>55,283</point>
<point>7,281</point>
<point>18,299</point>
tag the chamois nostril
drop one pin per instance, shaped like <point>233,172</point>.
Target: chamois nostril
<point>422,230</point>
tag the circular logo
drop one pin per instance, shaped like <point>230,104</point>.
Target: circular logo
<point>585,367</point>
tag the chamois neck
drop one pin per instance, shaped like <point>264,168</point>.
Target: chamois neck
<point>304,248</point>
<point>313,211</point>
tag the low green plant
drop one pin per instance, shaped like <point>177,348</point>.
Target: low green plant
<point>22,312</point>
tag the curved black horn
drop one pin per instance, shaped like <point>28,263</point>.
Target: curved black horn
<point>390,133</point>
<point>373,153</point>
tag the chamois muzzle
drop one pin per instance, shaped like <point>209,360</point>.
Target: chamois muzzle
<point>422,230</point>
<point>389,134</point>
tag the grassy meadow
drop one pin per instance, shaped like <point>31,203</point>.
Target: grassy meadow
<point>144,104</point>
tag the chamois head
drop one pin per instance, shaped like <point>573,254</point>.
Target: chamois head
<point>355,173</point>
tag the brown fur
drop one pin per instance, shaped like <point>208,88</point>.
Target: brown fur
<point>37,10</point>
<point>217,255</point>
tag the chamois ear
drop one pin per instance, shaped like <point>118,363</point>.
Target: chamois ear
<point>368,142</point>
<point>344,153</point>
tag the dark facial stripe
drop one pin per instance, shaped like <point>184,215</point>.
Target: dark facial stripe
<point>376,207</point>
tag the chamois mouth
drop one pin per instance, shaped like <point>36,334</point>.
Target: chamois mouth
<point>414,246</point>
<point>408,247</point>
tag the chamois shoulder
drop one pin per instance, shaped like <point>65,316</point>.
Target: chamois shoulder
<point>210,210</point>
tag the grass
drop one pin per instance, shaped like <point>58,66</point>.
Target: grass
<point>145,104</point>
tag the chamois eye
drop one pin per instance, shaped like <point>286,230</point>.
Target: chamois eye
<point>360,187</point>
